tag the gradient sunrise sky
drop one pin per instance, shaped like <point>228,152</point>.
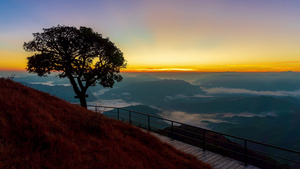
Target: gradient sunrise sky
<point>167,35</point>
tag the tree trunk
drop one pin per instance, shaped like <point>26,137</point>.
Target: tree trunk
<point>83,101</point>
<point>80,94</point>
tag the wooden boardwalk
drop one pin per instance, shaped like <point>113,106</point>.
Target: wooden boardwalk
<point>215,160</point>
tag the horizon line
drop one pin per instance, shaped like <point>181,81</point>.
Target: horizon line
<point>177,71</point>
<point>170,71</point>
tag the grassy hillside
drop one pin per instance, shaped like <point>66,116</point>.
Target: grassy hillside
<point>41,131</point>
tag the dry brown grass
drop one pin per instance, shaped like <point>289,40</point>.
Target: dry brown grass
<point>41,131</point>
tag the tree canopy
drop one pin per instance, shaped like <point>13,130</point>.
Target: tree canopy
<point>81,55</point>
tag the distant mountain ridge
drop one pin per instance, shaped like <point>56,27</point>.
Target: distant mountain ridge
<point>64,92</point>
<point>153,91</point>
<point>254,104</point>
<point>287,81</point>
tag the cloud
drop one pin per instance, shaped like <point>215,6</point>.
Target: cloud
<point>49,83</point>
<point>200,120</point>
<point>126,94</point>
<point>113,103</point>
<point>192,119</point>
<point>167,70</point>
<point>100,92</point>
<point>182,96</point>
<point>245,114</point>
<point>221,90</point>
<point>178,96</point>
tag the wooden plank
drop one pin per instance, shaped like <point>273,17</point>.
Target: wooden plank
<point>189,150</point>
<point>208,155</point>
<point>212,157</point>
<point>228,164</point>
<point>179,143</point>
<point>241,167</point>
<point>195,151</point>
<point>218,162</point>
<point>199,153</point>
<point>234,166</point>
<point>213,160</point>
<point>184,146</point>
<point>205,153</point>
<point>176,144</point>
<point>223,163</point>
<point>205,156</point>
<point>176,141</point>
<point>190,146</point>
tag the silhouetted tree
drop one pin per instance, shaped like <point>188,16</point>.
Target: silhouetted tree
<point>81,55</point>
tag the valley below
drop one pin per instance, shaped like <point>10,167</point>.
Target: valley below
<point>263,107</point>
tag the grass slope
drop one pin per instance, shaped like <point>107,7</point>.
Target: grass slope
<point>41,131</point>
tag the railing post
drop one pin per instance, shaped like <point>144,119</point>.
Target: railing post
<point>130,117</point>
<point>149,123</point>
<point>245,153</point>
<point>118,113</point>
<point>203,139</point>
<point>172,135</point>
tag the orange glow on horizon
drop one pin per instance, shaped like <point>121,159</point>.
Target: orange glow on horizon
<point>165,70</point>
<point>12,68</point>
<point>254,67</point>
<point>278,66</point>
<point>200,71</point>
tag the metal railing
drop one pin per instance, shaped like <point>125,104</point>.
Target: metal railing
<point>248,151</point>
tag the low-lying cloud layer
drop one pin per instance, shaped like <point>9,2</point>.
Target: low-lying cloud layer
<point>192,119</point>
<point>182,96</point>
<point>100,92</point>
<point>49,83</point>
<point>201,120</point>
<point>113,103</point>
<point>221,90</point>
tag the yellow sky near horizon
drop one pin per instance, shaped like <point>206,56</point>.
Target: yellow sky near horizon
<point>17,61</point>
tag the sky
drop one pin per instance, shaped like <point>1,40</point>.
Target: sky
<point>167,35</point>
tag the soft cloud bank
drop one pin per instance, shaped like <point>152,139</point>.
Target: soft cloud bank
<point>201,120</point>
<point>113,103</point>
<point>221,90</point>
<point>182,96</point>
<point>49,83</point>
<point>192,119</point>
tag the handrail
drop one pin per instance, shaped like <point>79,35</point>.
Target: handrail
<point>204,138</point>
